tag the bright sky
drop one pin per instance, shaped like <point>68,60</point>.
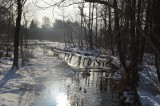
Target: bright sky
<point>52,12</point>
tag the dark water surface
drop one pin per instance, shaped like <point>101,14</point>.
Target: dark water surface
<point>69,87</point>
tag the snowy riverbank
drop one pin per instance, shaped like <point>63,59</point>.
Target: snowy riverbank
<point>21,87</point>
<point>14,83</point>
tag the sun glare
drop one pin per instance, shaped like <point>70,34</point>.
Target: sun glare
<point>62,100</point>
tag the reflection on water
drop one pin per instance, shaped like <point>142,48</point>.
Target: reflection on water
<point>66,87</point>
<point>62,100</point>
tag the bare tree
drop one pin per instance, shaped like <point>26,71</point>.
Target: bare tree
<point>20,3</point>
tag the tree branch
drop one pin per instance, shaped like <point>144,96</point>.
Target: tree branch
<point>107,4</point>
<point>124,15</point>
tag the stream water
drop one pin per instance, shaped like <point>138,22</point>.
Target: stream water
<point>67,87</point>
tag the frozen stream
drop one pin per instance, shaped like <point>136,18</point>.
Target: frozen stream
<point>65,86</point>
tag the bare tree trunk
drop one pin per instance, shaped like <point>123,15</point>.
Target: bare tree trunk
<point>8,37</point>
<point>156,33</point>
<point>9,27</point>
<point>110,29</point>
<point>16,35</point>
<point>96,25</point>
<point>133,47</point>
<point>81,41</point>
<point>64,32</point>
<point>119,48</point>
<point>146,30</point>
<point>72,39</point>
<point>22,55</point>
<point>90,28</point>
<point>81,35</point>
<point>105,29</point>
<point>157,60</point>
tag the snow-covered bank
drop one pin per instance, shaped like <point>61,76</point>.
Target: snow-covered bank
<point>149,86</point>
<point>21,87</point>
<point>12,87</point>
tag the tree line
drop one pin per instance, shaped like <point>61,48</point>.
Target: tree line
<point>17,28</point>
<point>54,31</point>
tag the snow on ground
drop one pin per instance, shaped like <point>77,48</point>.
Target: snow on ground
<point>18,88</point>
<point>149,87</point>
<point>149,99</point>
<point>53,44</point>
<point>16,85</point>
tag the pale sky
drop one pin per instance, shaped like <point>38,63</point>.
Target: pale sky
<point>52,12</point>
